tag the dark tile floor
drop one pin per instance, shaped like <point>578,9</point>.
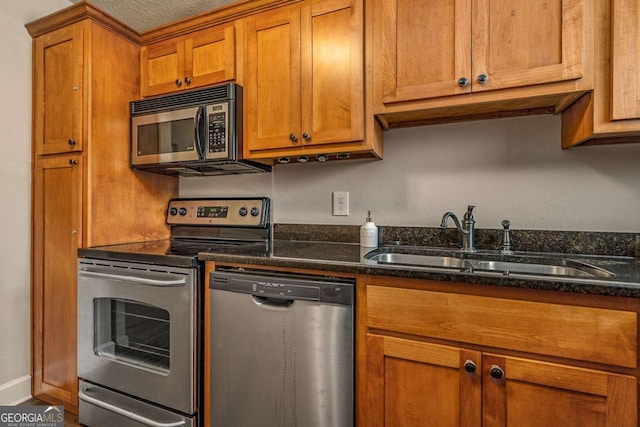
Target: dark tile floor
<point>70,420</point>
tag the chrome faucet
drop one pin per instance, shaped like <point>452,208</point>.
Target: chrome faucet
<point>467,228</point>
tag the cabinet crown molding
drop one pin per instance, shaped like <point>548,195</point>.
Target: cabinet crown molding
<point>78,12</point>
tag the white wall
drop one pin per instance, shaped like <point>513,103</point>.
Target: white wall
<point>510,168</point>
<point>15,194</point>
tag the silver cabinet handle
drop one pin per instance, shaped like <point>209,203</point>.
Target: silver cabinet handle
<point>131,278</point>
<point>125,413</point>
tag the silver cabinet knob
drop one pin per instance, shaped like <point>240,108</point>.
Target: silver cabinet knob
<point>187,80</point>
<point>178,82</point>
<point>73,162</point>
<point>293,137</point>
<point>463,81</point>
<point>482,79</point>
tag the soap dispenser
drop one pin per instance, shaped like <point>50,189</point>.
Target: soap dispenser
<point>369,233</point>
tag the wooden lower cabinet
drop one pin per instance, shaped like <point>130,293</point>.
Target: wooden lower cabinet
<point>414,383</point>
<point>431,354</point>
<point>57,234</point>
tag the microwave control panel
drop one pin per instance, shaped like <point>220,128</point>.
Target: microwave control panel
<point>218,135</point>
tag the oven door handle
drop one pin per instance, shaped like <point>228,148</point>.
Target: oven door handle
<point>127,414</point>
<point>131,278</point>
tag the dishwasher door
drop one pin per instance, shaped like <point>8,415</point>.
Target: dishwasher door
<point>281,350</point>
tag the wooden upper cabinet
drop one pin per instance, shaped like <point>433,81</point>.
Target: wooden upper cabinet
<point>625,103</point>
<point>526,42</point>
<point>58,90</point>
<point>455,47</point>
<point>304,78</point>
<point>272,79</point>
<point>203,58</point>
<point>424,50</point>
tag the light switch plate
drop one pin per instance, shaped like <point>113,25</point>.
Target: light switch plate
<point>340,203</point>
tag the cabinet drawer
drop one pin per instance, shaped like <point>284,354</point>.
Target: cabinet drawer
<point>581,333</point>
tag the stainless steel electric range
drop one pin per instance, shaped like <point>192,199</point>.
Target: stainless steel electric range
<point>140,309</point>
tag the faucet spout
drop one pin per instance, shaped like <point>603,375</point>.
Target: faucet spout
<point>456,221</point>
<point>466,228</point>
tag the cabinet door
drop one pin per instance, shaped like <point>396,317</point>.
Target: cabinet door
<point>332,75</point>
<point>413,383</point>
<point>57,234</point>
<point>526,393</point>
<point>162,67</point>
<point>526,42</point>
<point>625,103</point>
<point>58,90</point>
<point>272,75</point>
<point>422,52</point>
<point>210,57</point>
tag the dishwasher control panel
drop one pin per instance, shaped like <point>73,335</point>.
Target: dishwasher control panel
<point>284,286</point>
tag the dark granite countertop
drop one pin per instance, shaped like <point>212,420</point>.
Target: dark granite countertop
<point>348,257</point>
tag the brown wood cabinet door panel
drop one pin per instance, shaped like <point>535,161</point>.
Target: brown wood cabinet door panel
<point>57,224</point>
<point>161,65</point>
<point>526,42</point>
<point>411,383</point>
<point>332,74</point>
<point>210,57</point>
<point>423,50</point>
<point>582,333</point>
<point>625,60</point>
<point>533,394</point>
<point>58,91</point>
<point>272,74</point>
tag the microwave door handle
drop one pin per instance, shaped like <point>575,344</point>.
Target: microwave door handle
<point>199,131</point>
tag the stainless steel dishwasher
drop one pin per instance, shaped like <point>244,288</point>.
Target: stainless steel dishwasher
<point>281,350</point>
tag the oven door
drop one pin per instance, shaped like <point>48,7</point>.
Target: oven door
<point>137,330</point>
<point>167,137</point>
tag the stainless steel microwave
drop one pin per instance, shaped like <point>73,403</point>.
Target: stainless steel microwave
<point>191,133</point>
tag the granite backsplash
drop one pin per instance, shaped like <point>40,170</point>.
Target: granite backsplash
<point>571,242</point>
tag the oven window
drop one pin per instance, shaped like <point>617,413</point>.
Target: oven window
<point>132,332</point>
<point>166,137</point>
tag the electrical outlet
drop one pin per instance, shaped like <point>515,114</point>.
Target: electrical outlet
<point>340,203</point>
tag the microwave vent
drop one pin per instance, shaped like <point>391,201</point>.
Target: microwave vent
<point>185,99</point>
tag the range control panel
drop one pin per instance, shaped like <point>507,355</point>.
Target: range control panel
<point>233,212</point>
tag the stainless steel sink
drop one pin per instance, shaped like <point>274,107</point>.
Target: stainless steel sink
<point>432,261</point>
<point>520,265</point>
<point>561,268</point>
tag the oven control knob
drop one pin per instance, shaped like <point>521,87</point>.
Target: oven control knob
<point>243,211</point>
<point>173,211</point>
<point>183,211</point>
<point>255,211</point>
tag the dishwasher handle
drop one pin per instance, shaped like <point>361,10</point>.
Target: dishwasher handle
<point>273,302</point>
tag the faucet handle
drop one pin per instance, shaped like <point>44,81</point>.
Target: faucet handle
<point>469,214</point>
<point>505,247</point>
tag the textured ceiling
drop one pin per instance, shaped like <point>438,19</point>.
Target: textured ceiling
<point>143,15</point>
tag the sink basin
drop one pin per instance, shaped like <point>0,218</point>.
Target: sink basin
<point>520,265</point>
<point>432,261</point>
<point>562,268</point>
